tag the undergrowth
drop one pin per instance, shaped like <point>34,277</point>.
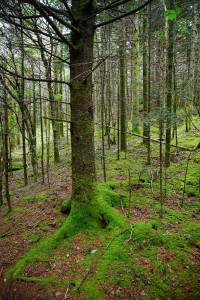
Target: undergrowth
<point>140,257</point>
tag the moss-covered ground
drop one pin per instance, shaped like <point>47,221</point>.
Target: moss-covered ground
<point>129,253</point>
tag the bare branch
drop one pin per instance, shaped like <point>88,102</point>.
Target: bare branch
<point>133,11</point>
<point>33,79</point>
<point>51,23</point>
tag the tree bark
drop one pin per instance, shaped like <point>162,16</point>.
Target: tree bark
<point>169,85</point>
<point>6,154</point>
<point>122,90</point>
<point>145,76</point>
<point>82,125</point>
<point>136,75</point>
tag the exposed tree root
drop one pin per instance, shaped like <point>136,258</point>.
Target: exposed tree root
<point>98,213</point>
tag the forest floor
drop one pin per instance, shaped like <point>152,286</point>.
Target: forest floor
<point>152,258</point>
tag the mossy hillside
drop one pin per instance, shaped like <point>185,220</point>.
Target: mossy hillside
<point>129,254</point>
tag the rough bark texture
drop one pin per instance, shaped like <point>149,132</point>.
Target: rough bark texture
<point>82,126</point>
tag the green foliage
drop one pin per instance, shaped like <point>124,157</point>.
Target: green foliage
<point>171,14</point>
<point>182,27</point>
<point>58,97</point>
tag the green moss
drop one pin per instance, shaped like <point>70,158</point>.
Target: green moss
<point>16,165</point>
<point>191,233</point>
<point>34,237</point>
<point>91,215</point>
<point>160,289</point>
<point>192,191</point>
<point>45,281</point>
<point>66,206</point>
<point>35,198</point>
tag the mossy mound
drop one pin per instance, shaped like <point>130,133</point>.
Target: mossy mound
<point>96,214</point>
<point>35,198</point>
<point>16,165</point>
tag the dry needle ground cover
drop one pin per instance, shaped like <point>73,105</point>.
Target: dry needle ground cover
<point>146,258</point>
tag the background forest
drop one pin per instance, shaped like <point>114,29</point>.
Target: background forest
<point>99,149</point>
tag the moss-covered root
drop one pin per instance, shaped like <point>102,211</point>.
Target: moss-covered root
<point>96,213</point>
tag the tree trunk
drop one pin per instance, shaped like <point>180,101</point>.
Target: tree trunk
<point>1,167</point>
<point>169,85</point>
<point>21,104</point>
<point>149,87</point>
<point>123,89</point>
<point>82,125</point>
<point>6,154</point>
<point>136,75</point>
<point>145,76</point>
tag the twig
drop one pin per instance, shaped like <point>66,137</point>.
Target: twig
<point>5,234</point>
<point>7,291</point>
<point>82,281</point>
<point>154,140</point>
<point>123,208</point>
<point>106,291</point>
<point>55,119</point>
<point>65,297</point>
<point>36,224</point>
<point>130,234</point>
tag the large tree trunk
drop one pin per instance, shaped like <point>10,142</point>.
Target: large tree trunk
<point>82,125</point>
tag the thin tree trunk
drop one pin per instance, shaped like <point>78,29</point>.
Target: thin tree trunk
<point>145,77</point>
<point>33,140</point>
<point>102,122</point>
<point>1,165</point>
<point>22,89</point>
<point>169,86</point>
<point>149,88</point>
<point>6,154</point>
<point>123,89</point>
<point>136,74</point>
<point>41,132</point>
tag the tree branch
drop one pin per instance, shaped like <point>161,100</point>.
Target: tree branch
<point>133,11</point>
<point>33,79</point>
<point>51,23</point>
